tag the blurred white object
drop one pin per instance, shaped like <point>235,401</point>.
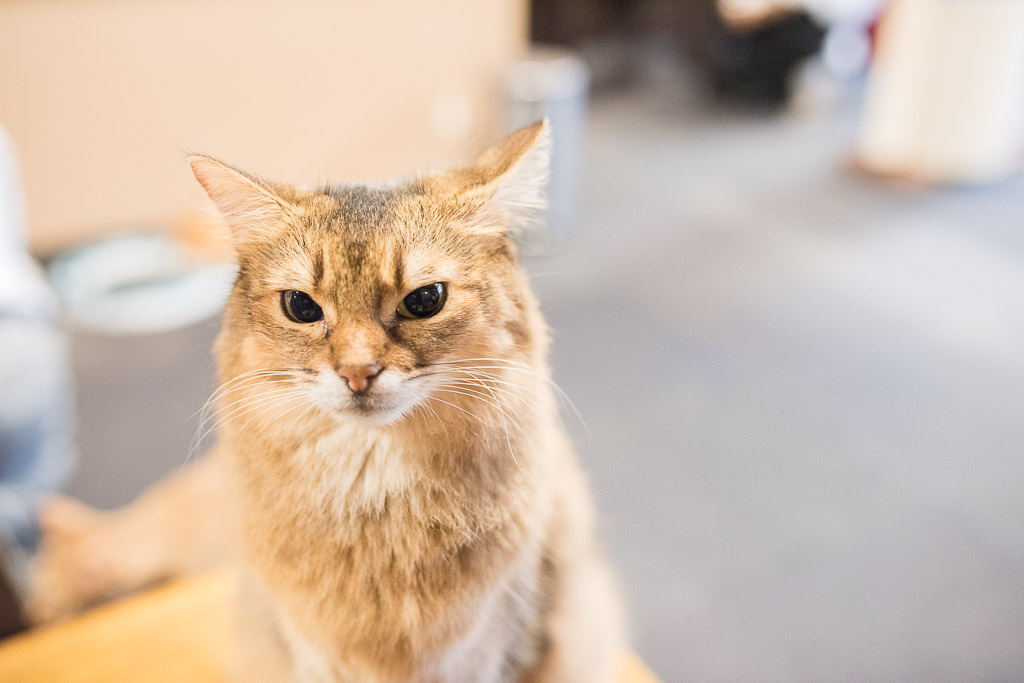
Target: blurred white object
<point>139,285</point>
<point>552,83</point>
<point>945,99</point>
<point>37,447</point>
<point>23,290</point>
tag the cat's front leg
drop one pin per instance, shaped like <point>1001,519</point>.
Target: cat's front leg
<point>261,653</point>
<point>87,556</point>
<point>584,630</point>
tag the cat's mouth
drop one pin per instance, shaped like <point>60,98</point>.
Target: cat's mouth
<point>366,404</point>
<point>385,400</point>
<point>378,408</point>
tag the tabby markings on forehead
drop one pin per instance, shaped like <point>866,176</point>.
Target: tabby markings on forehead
<point>285,266</point>
<point>423,268</point>
<point>318,269</point>
<point>366,209</point>
<point>397,271</point>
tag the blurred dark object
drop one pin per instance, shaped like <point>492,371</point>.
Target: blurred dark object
<point>754,66</point>
<point>602,31</point>
<point>749,65</point>
<point>11,621</point>
<point>567,22</point>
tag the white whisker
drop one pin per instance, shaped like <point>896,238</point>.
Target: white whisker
<point>472,415</point>
<point>427,406</point>
<point>523,367</point>
<point>245,380</point>
<point>501,412</point>
<point>301,401</point>
<point>480,397</point>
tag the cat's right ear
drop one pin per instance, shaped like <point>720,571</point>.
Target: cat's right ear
<point>251,207</point>
<point>506,184</point>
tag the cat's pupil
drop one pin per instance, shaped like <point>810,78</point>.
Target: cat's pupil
<point>424,301</point>
<point>300,307</point>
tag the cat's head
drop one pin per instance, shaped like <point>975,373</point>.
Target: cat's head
<point>370,300</point>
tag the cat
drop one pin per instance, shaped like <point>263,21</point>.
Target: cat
<point>403,501</point>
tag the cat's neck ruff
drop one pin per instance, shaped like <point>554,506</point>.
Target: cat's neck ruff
<point>357,465</point>
<point>354,465</point>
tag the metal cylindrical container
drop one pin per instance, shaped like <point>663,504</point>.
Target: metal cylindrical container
<point>552,83</point>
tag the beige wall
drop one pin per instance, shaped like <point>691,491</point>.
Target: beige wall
<point>103,97</point>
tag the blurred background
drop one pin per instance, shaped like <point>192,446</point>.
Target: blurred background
<point>783,265</point>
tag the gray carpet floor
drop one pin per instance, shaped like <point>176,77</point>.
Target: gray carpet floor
<point>803,389</point>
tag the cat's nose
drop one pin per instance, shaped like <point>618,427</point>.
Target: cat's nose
<point>359,377</point>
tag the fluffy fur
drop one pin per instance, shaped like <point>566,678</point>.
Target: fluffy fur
<point>434,527</point>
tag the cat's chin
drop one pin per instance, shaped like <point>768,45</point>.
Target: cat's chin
<point>374,413</point>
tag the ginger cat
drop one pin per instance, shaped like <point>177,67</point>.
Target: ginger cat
<point>403,502</point>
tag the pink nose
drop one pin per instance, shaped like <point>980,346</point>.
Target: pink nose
<point>359,377</point>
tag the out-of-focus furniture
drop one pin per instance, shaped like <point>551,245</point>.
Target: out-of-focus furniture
<point>104,97</point>
<point>945,100</point>
<point>179,632</point>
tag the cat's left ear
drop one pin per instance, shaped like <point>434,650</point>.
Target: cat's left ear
<point>507,183</point>
<point>251,207</point>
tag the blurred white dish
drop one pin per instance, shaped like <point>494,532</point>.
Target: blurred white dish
<point>141,284</point>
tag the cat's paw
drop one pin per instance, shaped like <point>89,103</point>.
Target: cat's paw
<point>77,565</point>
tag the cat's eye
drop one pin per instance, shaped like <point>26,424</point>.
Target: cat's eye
<point>423,302</point>
<point>300,307</point>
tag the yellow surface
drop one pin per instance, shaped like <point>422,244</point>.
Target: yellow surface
<point>175,633</point>
<point>632,670</point>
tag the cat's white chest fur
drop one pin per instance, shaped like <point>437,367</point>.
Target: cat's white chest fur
<point>357,467</point>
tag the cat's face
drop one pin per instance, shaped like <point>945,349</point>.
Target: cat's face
<point>371,301</point>
<point>370,293</point>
